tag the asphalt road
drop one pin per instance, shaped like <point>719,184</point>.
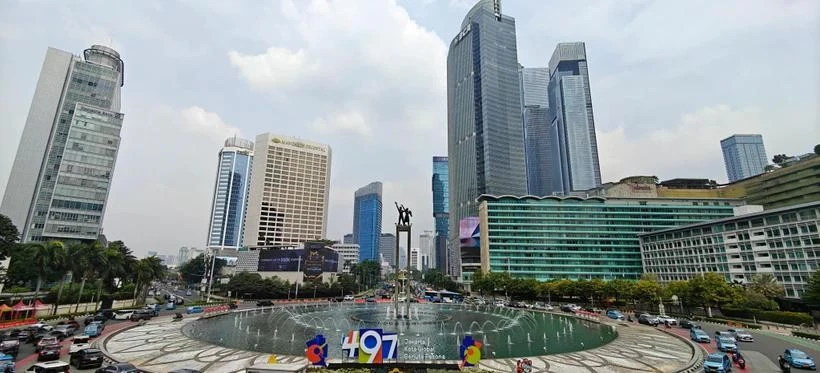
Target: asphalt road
<point>767,344</point>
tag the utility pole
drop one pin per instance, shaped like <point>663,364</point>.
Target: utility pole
<point>211,277</point>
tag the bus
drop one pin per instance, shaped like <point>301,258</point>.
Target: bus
<point>442,296</point>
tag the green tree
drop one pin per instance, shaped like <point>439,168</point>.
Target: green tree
<point>148,270</point>
<point>779,159</point>
<point>46,257</point>
<point>765,284</point>
<point>817,149</point>
<point>620,289</point>
<point>811,293</point>
<point>87,260</point>
<point>9,236</point>
<point>368,273</point>
<point>647,291</point>
<point>195,269</point>
<point>710,290</point>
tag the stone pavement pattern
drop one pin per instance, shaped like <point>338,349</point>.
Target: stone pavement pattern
<point>160,346</point>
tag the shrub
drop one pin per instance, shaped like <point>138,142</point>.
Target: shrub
<point>744,323</point>
<point>782,317</point>
<point>806,335</point>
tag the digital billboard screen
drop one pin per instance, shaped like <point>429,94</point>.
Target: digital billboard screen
<point>311,261</point>
<point>468,232</point>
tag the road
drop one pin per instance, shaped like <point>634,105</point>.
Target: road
<point>766,344</point>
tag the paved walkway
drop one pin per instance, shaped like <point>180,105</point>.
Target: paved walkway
<point>160,346</point>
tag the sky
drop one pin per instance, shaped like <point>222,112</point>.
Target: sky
<point>669,80</point>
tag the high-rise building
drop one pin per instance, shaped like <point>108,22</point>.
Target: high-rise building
<point>348,238</point>
<point>441,213</point>
<point>288,199</point>
<point>182,255</point>
<point>540,136</point>
<point>367,220</point>
<point>349,255</point>
<point>744,156</point>
<point>484,132</point>
<point>61,176</point>
<point>387,248</point>
<point>152,253</point>
<point>230,199</point>
<point>427,248</point>
<point>415,255</point>
<point>570,103</point>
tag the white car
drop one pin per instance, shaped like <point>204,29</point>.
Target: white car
<point>123,314</point>
<point>663,319</point>
<point>49,366</point>
<point>43,326</point>
<point>348,297</point>
<point>80,342</point>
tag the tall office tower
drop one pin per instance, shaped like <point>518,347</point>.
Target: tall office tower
<point>348,238</point>
<point>441,212</point>
<point>415,256</point>
<point>367,220</point>
<point>287,203</point>
<point>570,103</point>
<point>61,176</point>
<point>485,138</point>
<point>744,156</point>
<point>230,200</point>
<point>540,136</point>
<point>427,246</point>
<point>182,255</point>
<point>387,248</point>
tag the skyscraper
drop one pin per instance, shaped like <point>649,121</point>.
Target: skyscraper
<point>288,198</point>
<point>540,136</point>
<point>426,248</point>
<point>570,103</point>
<point>182,255</point>
<point>230,198</point>
<point>367,220</point>
<point>348,238</point>
<point>387,248</point>
<point>744,156</point>
<point>485,135</point>
<point>61,176</point>
<point>441,212</point>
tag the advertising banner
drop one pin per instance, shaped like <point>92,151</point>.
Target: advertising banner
<point>370,346</point>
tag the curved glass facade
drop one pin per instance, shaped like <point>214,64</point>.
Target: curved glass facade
<point>579,238</point>
<point>441,208</point>
<point>226,229</point>
<point>367,220</point>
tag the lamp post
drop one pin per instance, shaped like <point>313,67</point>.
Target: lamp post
<point>298,271</point>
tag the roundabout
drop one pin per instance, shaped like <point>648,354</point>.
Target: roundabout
<point>217,343</point>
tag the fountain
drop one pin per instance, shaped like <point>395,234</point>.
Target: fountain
<point>438,327</point>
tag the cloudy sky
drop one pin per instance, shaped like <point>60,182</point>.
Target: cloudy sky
<point>669,80</point>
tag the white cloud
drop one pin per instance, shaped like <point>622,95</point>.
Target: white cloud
<point>276,68</point>
<point>200,121</point>
<point>348,122</point>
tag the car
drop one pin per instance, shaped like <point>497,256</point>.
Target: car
<point>717,362</point>
<point>43,334</point>
<point>49,353</point>
<point>171,306</point>
<point>370,300</point>
<point>6,363</point>
<point>686,324</point>
<point>719,334</point>
<point>648,319</point>
<point>194,309</point>
<point>699,335</point>
<point>80,342</point>
<point>66,330</point>
<point>123,314</point>
<point>348,298</point>
<point>94,329</point>
<point>615,315</point>
<point>264,303</point>
<point>87,358</point>
<point>188,293</point>
<point>726,344</point>
<point>142,315</point>
<point>10,346</point>
<point>47,341</point>
<point>56,366</point>
<point>185,370</point>
<point>96,318</point>
<point>663,319</point>
<point>798,359</point>
<point>42,326</point>
<point>118,368</point>
<point>742,335</point>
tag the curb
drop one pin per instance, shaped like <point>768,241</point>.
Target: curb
<point>696,362</point>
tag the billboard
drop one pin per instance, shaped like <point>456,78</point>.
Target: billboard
<point>312,261</point>
<point>468,232</point>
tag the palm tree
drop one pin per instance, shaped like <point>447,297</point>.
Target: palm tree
<point>46,258</point>
<point>147,270</point>
<point>766,285</point>
<point>87,261</point>
<point>120,262</point>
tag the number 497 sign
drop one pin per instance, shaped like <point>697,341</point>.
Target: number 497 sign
<point>371,346</point>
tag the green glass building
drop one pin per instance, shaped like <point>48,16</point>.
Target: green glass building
<point>580,238</point>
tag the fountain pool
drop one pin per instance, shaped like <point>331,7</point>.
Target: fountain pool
<point>429,332</point>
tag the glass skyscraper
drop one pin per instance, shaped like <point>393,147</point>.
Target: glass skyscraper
<point>441,213</point>
<point>485,136</point>
<point>230,201</point>
<point>570,102</point>
<point>61,176</point>
<point>541,136</point>
<point>367,220</point>
<point>387,248</point>
<point>744,156</point>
